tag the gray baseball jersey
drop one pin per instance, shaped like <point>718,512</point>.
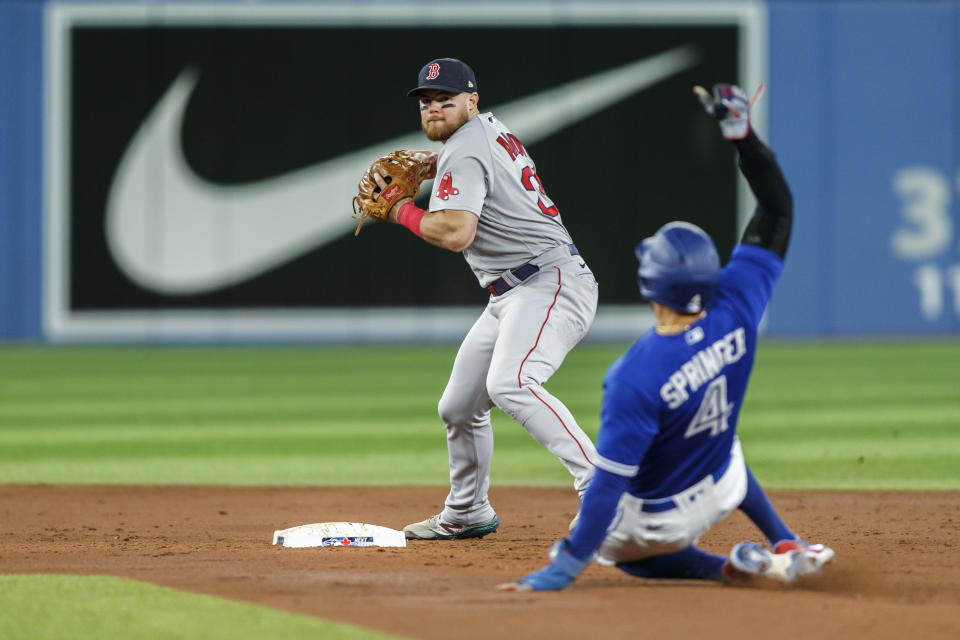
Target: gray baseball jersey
<point>484,169</point>
<point>524,333</point>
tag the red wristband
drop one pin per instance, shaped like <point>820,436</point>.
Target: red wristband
<point>410,215</point>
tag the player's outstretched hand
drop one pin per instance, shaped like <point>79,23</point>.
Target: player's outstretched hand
<point>729,105</point>
<point>563,569</point>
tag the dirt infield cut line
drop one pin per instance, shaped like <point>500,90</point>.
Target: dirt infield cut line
<point>897,572</point>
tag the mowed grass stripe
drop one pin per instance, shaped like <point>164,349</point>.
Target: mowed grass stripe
<point>367,415</point>
<point>64,362</point>
<point>228,441</point>
<point>852,471</point>
<point>160,431</point>
<point>319,406</point>
<point>852,449</point>
<point>264,444</point>
<point>904,414</point>
<point>879,393</point>
<point>423,468</point>
<point>34,404</point>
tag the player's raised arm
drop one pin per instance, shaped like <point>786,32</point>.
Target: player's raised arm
<point>772,221</point>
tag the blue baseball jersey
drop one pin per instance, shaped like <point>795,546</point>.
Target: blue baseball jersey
<point>671,403</point>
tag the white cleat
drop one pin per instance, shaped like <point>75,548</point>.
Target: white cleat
<point>753,559</point>
<point>816,556</point>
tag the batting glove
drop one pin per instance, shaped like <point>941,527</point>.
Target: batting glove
<point>563,569</point>
<point>729,105</point>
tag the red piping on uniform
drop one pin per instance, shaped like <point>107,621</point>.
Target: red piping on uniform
<point>520,371</point>
<point>585,457</point>
<point>520,384</point>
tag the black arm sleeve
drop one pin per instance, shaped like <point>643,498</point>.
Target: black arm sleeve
<point>771,222</point>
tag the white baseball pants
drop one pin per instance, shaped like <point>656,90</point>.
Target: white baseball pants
<point>637,534</point>
<point>514,347</point>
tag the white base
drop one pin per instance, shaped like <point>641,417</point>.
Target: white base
<point>339,534</point>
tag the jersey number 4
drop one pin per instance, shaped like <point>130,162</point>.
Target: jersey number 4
<point>714,412</point>
<point>546,205</point>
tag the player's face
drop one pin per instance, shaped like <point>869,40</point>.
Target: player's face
<point>443,112</point>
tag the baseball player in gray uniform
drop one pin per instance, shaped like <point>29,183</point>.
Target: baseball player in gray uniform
<point>489,203</point>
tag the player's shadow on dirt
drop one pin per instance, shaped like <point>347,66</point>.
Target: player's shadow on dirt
<point>835,580</point>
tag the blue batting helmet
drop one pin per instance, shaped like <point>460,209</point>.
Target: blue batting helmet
<point>679,267</point>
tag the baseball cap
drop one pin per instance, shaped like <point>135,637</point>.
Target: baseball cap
<point>447,74</point>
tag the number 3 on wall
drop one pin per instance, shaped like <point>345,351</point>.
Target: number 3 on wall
<point>925,193</point>
<point>929,229</point>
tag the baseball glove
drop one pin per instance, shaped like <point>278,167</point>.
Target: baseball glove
<point>401,172</point>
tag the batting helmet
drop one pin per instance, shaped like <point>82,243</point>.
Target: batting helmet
<point>679,267</point>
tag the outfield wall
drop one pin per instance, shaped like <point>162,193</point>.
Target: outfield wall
<point>202,236</point>
<point>865,116</point>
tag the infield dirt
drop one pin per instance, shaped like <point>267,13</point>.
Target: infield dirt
<point>897,572</point>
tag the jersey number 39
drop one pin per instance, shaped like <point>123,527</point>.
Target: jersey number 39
<point>714,412</point>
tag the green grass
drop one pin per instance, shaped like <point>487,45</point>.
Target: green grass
<point>39,607</point>
<point>837,415</point>
<point>855,416</point>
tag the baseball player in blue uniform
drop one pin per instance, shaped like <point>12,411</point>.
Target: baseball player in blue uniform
<point>669,464</point>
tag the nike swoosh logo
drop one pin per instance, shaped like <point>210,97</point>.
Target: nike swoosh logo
<point>172,232</point>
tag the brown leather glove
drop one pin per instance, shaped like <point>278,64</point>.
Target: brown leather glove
<point>402,172</point>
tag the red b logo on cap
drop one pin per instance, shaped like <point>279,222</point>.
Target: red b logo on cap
<point>434,71</point>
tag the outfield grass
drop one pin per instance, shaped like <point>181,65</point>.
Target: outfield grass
<point>844,415</point>
<point>839,416</point>
<point>41,607</point>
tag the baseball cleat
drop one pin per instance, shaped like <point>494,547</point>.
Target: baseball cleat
<point>751,558</point>
<point>434,528</point>
<point>816,555</point>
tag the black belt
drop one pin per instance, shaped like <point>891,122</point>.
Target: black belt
<point>501,286</point>
<point>659,505</point>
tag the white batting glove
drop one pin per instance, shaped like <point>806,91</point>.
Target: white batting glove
<point>730,106</point>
